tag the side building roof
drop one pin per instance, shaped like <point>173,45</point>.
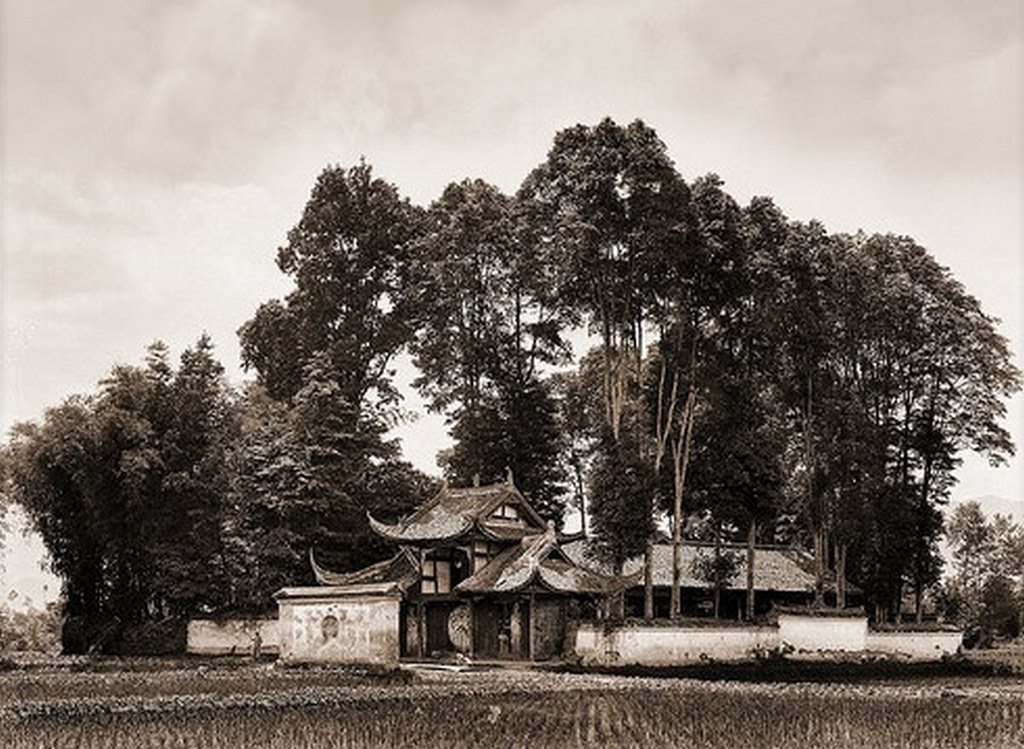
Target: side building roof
<point>400,569</point>
<point>775,569</point>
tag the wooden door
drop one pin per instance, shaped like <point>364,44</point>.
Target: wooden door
<point>486,616</point>
<point>437,628</point>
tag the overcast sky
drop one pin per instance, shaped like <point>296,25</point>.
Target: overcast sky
<point>155,154</point>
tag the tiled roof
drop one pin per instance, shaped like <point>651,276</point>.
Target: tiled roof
<point>452,512</point>
<point>774,568</point>
<point>400,569</point>
<point>536,559</point>
<point>505,532</point>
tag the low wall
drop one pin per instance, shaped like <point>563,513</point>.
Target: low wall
<point>231,636</point>
<point>669,645</point>
<point>926,646</point>
<point>342,624</point>
<point>818,634</point>
<point>796,636</point>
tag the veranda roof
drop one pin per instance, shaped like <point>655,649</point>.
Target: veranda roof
<point>537,560</point>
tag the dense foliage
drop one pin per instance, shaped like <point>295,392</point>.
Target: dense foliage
<point>753,375</point>
<point>986,590</point>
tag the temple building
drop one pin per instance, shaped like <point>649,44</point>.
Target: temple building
<point>783,577</point>
<point>478,573</point>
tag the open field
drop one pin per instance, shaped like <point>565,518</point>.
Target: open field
<point>263,706</point>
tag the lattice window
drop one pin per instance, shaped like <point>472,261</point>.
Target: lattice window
<point>483,552</point>
<point>436,576</point>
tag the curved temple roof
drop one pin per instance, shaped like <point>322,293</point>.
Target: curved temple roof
<point>400,569</point>
<point>452,512</point>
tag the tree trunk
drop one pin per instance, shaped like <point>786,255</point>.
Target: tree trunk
<point>751,540</point>
<point>681,460</point>
<point>816,515</point>
<point>841,576</point>
<point>649,579</point>
<point>819,566</point>
<point>718,567</point>
<point>918,602</point>
<point>675,602</point>
<point>583,512</point>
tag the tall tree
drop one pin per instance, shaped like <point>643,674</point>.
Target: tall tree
<point>488,325</point>
<point>199,431</point>
<point>326,352</point>
<point>612,208</point>
<point>988,565</point>
<point>701,317</point>
<point>353,303</point>
<point>578,395</point>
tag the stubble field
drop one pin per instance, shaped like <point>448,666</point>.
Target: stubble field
<point>264,706</point>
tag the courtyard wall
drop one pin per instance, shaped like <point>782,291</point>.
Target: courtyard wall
<point>794,636</point>
<point>231,636</point>
<point>918,646</point>
<point>666,645</point>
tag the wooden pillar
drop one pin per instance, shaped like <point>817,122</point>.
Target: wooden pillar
<point>472,629</point>
<point>421,624</point>
<point>533,626</point>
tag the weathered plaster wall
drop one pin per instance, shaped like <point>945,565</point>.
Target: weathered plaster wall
<point>339,629</point>
<point>231,637</point>
<point>915,645</point>
<point>798,636</point>
<point>667,645</point>
<point>810,635</point>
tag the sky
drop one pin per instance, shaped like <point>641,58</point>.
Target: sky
<point>155,154</point>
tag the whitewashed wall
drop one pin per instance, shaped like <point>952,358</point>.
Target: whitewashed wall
<point>350,624</point>
<point>925,646</point>
<point>797,636</point>
<point>231,636</point>
<point>668,645</point>
<point>813,635</point>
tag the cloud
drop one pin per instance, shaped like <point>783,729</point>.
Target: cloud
<point>120,264</point>
<point>216,90</point>
<point>156,153</point>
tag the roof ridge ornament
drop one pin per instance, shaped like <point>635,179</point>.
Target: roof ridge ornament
<point>508,476</point>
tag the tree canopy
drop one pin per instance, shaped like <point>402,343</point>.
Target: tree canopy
<point>762,375</point>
